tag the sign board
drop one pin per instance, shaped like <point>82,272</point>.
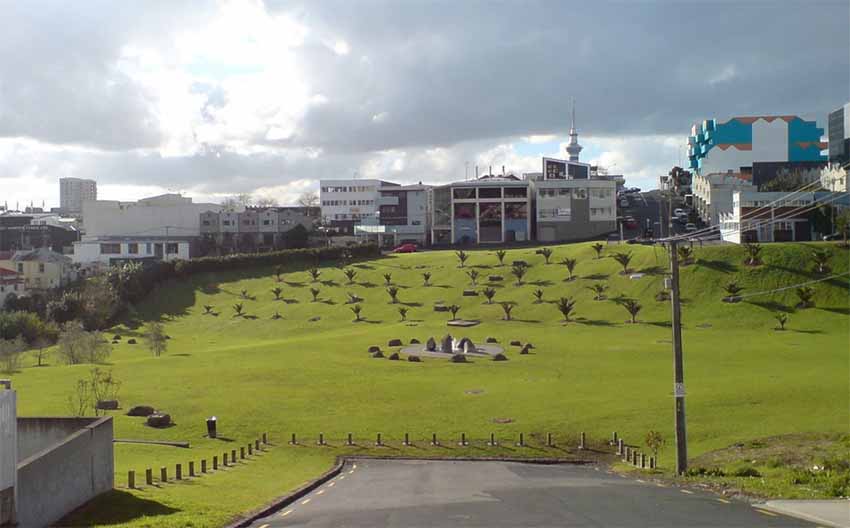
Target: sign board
<point>554,169</point>
<point>564,212</point>
<point>679,390</point>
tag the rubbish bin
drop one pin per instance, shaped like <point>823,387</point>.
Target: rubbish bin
<point>211,432</point>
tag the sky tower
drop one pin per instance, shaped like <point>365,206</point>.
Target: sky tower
<point>573,148</point>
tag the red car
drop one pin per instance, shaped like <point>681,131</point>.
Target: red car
<point>405,248</point>
<point>630,223</point>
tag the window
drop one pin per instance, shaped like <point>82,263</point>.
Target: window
<point>563,192</point>
<point>490,192</point>
<point>516,192</point>
<point>171,248</point>
<point>110,249</point>
<point>20,267</point>
<point>267,222</point>
<point>148,249</point>
<point>41,267</point>
<point>464,194</point>
<point>580,194</point>
<point>206,222</point>
<point>133,248</point>
<point>223,222</point>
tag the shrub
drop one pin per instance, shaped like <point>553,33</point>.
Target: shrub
<point>806,296</point>
<point>353,298</point>
<point>598,291</point>
<point>744,470</point>
<point>388,278</point>
<point>633,307</point>
<point>685,254</point>
<point>350,274</point>
<point>155,338</point>
<point>500,254</point>
<point>507,307</point>
<point>356,309</point>
<point>392,291</point>
<point>662,296</point>
<point>733,289</point>
<point>244,294</point>
<point>454,309</point>
<point>426,279</point>
<point>402,312</point>
<point>278,273</point>
<point>624,259</point>
<point>519,272</point>
<point>314,274</point>
<point>315,293</point>
<point>238,307</point>
<point>566,305</point>
<point>76,345</point>
<point>570,264</point>
<point>654,441</point>
<point>473,277</point>
<point>11,351</point>
<point>753,251</point>
<point>821,259</point>
<point>547,254</point>
<point>538,296</point>
<point>207,309</point>
<point>597,247</point>
<point>462,257</point>
<point>782,319</point>
<point>489,293</point>
<point>276,292</point>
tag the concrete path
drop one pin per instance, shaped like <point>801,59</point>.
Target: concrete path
<point>502,494</point>
<point>834,513</point>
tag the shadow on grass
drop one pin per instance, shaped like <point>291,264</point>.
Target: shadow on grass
<point>368,284</point>
<point>652,270</point>
<point>804,331</point>
<point>412,304</point>
<point>662,324</point>
<point>541,283</point>
<point>841,310</point>
<point>773,306</point>
<point>330,283</point>
<point>718,265</point>
<point>594,322</point>
<point>328,301</point>
<point>596,276</point>
<point>294,284</point>
<point>363,266</point>
<point>116,507</point>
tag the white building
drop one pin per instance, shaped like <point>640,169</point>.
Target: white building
<point>73,192</point>
<point>713,194</point>
<point>345,203</point>
<point>767,217</point>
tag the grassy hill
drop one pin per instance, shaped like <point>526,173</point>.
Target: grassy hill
<point>309,371</point>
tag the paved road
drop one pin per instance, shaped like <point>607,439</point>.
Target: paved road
<point>646,206</point>
<point>377,493</point>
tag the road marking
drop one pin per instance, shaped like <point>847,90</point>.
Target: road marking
<point>264,526</point>
<point>305,501</point>
<point>687,491</point>
<point>341,477</point>
<point>641,481</point>
<point>317,493</point>
<point>724,501</point>
<point>765,512</point>
<point>354,466</point>
<point>660,485</point>
<point>287,512</point>
<point>331,484</point>
<point>350,472</point>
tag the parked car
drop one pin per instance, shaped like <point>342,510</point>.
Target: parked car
<point>678,211</point>
<point>624,202</point>
<point>630,223</point>
<point>405,248</point>
<point>690,227</point>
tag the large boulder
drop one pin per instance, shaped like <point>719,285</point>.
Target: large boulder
<point>374,348</point>
<point>530,346</point>
<point>431,345</point>
<point>500,357</point>
<point>414,359</point>
<point>466,345</point>
<point>107,405</point>
<point>394,356</point>
<point>525,350</point>
<point>470,293</point>
<point>141,410</point>
<point>414,341</point>
<point>492,340</point>
<point>446,344</point>
<point>441,308</point>
<point>516,343</point>
<point>395,343</point>
<point>116,337</point>
<point>131,341</point>
<point>458,358</point>
<point>495,278</point>
<point>377,354</point>
<point>159,420</point>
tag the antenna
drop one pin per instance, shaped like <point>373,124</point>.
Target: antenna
<point>574,113</point>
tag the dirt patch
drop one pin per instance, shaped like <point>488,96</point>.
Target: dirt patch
<point>473,391</point>
<point>503,420</point>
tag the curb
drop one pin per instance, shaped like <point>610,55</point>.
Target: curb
<point>541,461</point>
<point>798,515</point>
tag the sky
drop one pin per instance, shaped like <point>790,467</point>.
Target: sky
<point>217,97</point>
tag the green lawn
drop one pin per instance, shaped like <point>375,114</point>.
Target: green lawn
<point>596,374</point>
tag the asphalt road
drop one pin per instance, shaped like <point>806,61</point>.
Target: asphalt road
<point>646,206</point>
<point>381,493</point>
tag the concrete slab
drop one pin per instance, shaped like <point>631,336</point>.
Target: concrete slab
<point>835,513</point>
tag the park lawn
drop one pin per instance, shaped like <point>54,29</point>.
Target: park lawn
<point>596,374</point>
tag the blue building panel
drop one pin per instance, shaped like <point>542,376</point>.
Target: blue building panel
<point>800,131</point>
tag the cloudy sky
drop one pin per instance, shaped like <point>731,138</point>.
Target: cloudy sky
<point>212,98</point>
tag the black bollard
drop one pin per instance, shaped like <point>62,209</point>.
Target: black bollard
<point>350,439</point>
<point>378,440</point>
<point>492,441</point>
<point>581,444</point>
<point>149,476</point>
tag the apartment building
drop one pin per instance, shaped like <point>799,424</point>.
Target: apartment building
<point>713,193</point>
<point>73,192</point>
<point>254,228</point>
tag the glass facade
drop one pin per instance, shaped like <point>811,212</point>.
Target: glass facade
<point>490,222</point>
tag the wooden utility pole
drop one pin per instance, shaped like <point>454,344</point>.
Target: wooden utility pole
<point>678,369</point>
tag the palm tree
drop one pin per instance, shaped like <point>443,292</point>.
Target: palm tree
<point>753,250</point>
<point>821,258</point>
<point>426,279</point>
<point>276,292</point>
<point>278,273</point>
<point>633,307</point>
<point>624,259</point>
<point>500,254</point>
<point>570,264</point>
<point>314,274</point>
<point>489,293</point>
<point>806,295</point>
<point>462,257</point>
<point>454,309</point>
<point>547,254</point>
<point>392,291</point>
<point>402,312</point>
<point>538,296</point>
<point>277,315</point>
<point>238,309</point>
<point>781,318</point>
<point>243,294</point>
<point>598,291</point>
<point>353,298</point>
<point>207,309</point>
<point>566,305</point>
<point>519,272</point>
<point>473,276</point>
<point>350,274</point>
<point>388,278</point>
<point>356,309</point>
<point>507,307</point>
<point>686,253</point>
<point>597,247</point>
<point>315,292</point>
<point>733,289</point>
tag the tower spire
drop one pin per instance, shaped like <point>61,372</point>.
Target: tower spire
<point>573,148</point>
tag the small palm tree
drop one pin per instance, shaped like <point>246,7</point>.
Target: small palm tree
<point>353,298</point>
<point>426,279</point>
<point>781,318</point>
<point>278,273</point>
<point>507,307</point>
<point>350,274</point>
<point>314,274</point>
<point>733,289</point>
<point>207,309</point>
<point>624,259</point>
<point>489,293</point>
<point>277,315</point>
<point>538,296</point>
<point>276,292</point>
<point>402,312</point>
<point>570,264</point>
<point>238,309</point>
<point>388,278</point>
<point>686,254</point>
<point>356,309</point>
<point>566,305</point>
<point>315,292</point>
<point>392,291</point>
<point>821,258</point>
<point>598,249</point>
<point>598,291</point>
<point>462,257</point>
<point>454,309</point>
<point>633,307</point>
<point>547,254</point>
<point>243,294</point>
<point>519,272</point>
<point>473,276</point>
<point>806,296</point>
<point>753,251</point>
<point>500,254</point>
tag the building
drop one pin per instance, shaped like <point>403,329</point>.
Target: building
<point>712,194</point>
<point>10,284</point>
<point>346,203</point>
<point>253,228</point>
<point>839,136</point>
<point>40,269</point>
<point>73,192</point>
<point>834,178</point>
<point>574,209</point>
<point>34,230</point>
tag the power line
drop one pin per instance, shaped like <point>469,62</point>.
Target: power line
<point>785,288</point>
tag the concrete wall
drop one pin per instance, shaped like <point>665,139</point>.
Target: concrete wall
<point>8,455</point>
<point>148,217</point>
<point>65,475</point>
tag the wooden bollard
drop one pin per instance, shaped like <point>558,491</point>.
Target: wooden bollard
<point>628,454</point>
<point>293,441</point>
<point>178,471</point>
<point>652,462</point>
<point>224,459</point>
<point>614,438</point>
<point>203,465</point>
<point>643,460</point>
<point>406,439</point>
<point>378,441</point>
<point>233,456</point>
<point>191,468</point>
<point>434,441</point>
<point>492,441</point>
<point>462,440</point>
<point>163,474</point>
<point>521,442</point>
<point>350,439</point>
<point>320,442</point>
<point>215,462</point>
<point>635,457</point>
<point>581,443</point>
<point>131,479</point>
<point>265,438</point>
<point>257,445</point>
<point>242,453</point>
<point>549,440</point>
<point>620,447</point>
<point>149,477</point>
<point>251,450</point>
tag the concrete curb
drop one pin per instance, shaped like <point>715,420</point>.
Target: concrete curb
<point>800,515</point>
<point>541,461</point>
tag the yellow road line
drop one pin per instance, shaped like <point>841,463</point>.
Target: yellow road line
<point>305,501</point>
<point>724,501</point>
<point>687,491</point>
<point>287,512</point>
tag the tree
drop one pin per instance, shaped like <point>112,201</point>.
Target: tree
<point>350,274</point>
<point>314,274</point>
<point>598,291</point>
<point>207,309</point>
<point>388,278</point>
<point>566,305</point>
<point>238,307</point>
<point>753,250</point>
<point>237,201</point>
<point>11,351</point>
<point>633,307</point>
<point>87,393</point>
<point>99,303</point>
<point>547,254</point>
<point>356,309</point>
<point>77,346</point>
<point>426,279</point>
<point>806,295</point>
<point>155,337</point>
<point>538,296</point>
<point>570,264</point>
<point>79,401</point>
<point>277,315</point>
<point>40,350</point>
<point>392,291</point>
<point>315,293</point>
<point>266,201</point>
<point>462,257</point>
<point>489,293</point>
<point>278,273</point>
<point>402,312</point>
<point>821,259</point>
<point>842,224</point>
<point>296,238</point>
<point>623,259</point>
<point>454,309</point>
<point>308,199</point>
<point>276,292</point>
<point>782,319</point>
<point>654,441</point>
<point>243,294</point>
<point>500,254</point>
<point>353,298</point>
<point>789,180</point>
<point>733,289</point>
<point>597,247</point>
<point>686,254</point>
<point>507,307</point>
<point>473,277</point>
<point>519,272</point>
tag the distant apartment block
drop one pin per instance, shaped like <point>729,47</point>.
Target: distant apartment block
<point>839,136</point>
<point>73,192</point>
<point>254,228</point>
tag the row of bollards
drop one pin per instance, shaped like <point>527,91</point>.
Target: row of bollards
<point>632,455</point>
<point>227,460</point>
<point>463,440</point>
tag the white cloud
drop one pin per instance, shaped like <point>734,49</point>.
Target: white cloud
<point>342,48</point>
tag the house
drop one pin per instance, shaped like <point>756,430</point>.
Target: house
<point>10,284</point>
<point>40,269</point>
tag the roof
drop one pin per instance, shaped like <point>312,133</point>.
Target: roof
<point>40,255</point>
<point>6,273</point>
<point>6,255</point>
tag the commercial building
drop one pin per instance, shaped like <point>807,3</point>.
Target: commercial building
<point>839,136</point>
<point>712,193</point>
<point>10,284</point>
<point>253,228</point>
<point>35,230</point>
<point>73,192</point>
<point>575,209</point>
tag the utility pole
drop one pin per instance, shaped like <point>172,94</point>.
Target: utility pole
<point>678,369</point>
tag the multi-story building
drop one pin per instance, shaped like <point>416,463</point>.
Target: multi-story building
<point>40,269</point>
<point>73,192</point>
<point>712,193</point>
<point>35,230</point>
<point>839,136</point>
<point>571,210</point>
<point>346,203</point>
<point>254,228</point>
